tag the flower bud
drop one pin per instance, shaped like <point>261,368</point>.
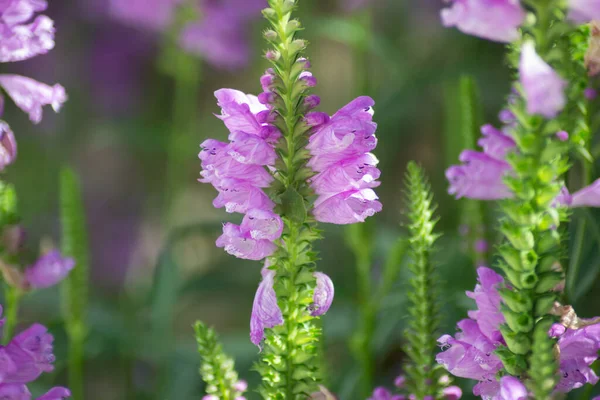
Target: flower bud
<point>548,281</point>
<point>518,343</point>
<point>272,55</point>
<point>297,46</point>
<point>270,35</point>
<point>590,93</point>
<point>563,136</point>
<point>516,301</point>
<point>518,322</point>
<point>312,101</point>
<point>8,145</point>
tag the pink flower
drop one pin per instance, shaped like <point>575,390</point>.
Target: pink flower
<point>496,20</point>
<point>265,310</point>
<point>8,146</point>
<point>30,95</point>
<point>512,389</point>
<point>48,270</point>
<point>347,172</point>
<point>542,86</point>
<point>240,243</point>
<point>323,295</point>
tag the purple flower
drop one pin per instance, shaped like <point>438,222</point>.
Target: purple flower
<point>583,11</point>
<point>578,350</point>
<point>348,207</point>
<point>452,393</point>
<point>14,391</point>
<point>262,224</point>
<point>346,170</point>
<point>23,360</point>
<point>323,295</point>
<point>240,196</point>
<point>8,145</point>
<point>481,175</point>
<point>31,351</point>
<point>240,243</point>
<point>512,389</point>
<point>30,95</point>
<point>265,310</point>
<point>471,353</point>
<point>487,298</point>
<point>589,196</point>
<point>19,41</point>
<point>48,270</point>
<point>56,393</point>
<point>543,88</point>
<point>496,20</point>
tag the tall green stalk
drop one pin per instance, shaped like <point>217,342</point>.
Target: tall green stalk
<point>289,364</point>
<point>422,332</point>
<point>531,224</point>
<point>75,288</point>
<point>216,368</point>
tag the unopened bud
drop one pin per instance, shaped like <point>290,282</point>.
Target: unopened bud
<point>270,35</point>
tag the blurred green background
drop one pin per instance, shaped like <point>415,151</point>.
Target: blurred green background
<point>132,132</point>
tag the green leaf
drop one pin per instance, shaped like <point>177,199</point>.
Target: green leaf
<point>293,205</point>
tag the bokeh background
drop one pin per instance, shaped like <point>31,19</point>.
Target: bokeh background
<point>139,107</point>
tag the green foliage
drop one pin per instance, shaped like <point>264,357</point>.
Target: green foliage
<point>75,288</point>
<point>217,368</point>
<point>421,334</point>
<point>289,363</point>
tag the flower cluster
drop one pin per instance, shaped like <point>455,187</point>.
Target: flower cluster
<point>499,20</point>
<point>23,360</point>
<point>346,170</point>
<point>266,312</point>
<point>481,176</point>
<point>22,39</point>
<point>447,393</point>
<point>218,35</point>
<point>470,353</point>
<point>237,170</point>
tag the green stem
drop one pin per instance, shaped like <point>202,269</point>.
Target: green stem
<point>575,261</point>
<point>13,300</point>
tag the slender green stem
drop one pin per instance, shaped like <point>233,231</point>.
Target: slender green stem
<point>13,300</point>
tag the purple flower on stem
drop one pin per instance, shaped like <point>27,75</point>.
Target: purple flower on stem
<point>470,353</point>
<point>512,389</point>
<point>543,88</point>
<point>48,270</point>
<point>481,175</point>
<point>496,20</point>
<point>30,95</point>
<point>21,41</point>
<point>323,296</point>
<point>57,393</point>
<point>346,170</point>
<point>8,145</point>
<point>241,244</point>
<point>265,310</point>
<point>154,15</point>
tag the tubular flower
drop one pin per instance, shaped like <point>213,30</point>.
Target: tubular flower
<point>542,86</point>
<point>346,170</point>
<point>470,354</point>
<point>19,41</point>
<point>237,170</point>
<point>266,312</point>
<point>481,175</point>
<point>48,270</point>
<point>23,360</point>
<point>496,20</point>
